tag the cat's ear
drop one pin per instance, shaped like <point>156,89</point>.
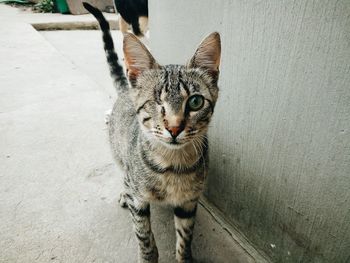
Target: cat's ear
<point>208,54</point>
<point>137,57</point>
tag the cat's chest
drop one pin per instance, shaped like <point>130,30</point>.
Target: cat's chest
<point>174,189</point>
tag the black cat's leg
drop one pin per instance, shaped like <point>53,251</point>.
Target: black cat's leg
<point>136,27</point>
<point>184,224</point>
<point>140,212</point>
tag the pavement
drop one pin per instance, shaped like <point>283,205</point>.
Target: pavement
<point>58,183</point>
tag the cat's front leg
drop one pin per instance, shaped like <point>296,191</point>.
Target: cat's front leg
<point>184,224</point>
<point>140,212</point>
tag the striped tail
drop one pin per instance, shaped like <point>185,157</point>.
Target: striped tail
<point>116,70</point>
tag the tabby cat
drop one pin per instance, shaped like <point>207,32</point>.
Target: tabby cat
<point>158,133</point>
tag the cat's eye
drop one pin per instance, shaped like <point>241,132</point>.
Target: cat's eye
<point>195,102</point>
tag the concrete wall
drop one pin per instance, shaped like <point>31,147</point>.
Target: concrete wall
<point>280,139</point>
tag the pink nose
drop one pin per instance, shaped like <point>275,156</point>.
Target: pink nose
<point>175,131</point>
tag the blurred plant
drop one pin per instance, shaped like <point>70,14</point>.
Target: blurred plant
<point>44,6</point>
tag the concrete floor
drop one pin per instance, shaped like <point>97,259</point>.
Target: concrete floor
<point>84,49</point>
<point>58,183</point>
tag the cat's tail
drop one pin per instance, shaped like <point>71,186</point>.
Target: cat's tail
<point>116,70</point>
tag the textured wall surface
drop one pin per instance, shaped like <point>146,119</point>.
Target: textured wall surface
<point>280,139</point>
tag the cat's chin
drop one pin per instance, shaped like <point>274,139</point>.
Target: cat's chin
<point>173,146</point>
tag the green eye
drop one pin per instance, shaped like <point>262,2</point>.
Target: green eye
<point>195,102</point>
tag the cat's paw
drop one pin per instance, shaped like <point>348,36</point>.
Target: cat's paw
<point>151,257</point>
<point>184,258</point>
<point>122,200</point>
<point>108,114</point>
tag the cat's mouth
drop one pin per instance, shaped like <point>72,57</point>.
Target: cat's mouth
<point>173,144</point>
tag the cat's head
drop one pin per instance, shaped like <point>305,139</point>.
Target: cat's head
<point>174,103</point>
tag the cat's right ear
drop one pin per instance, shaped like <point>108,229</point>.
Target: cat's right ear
<point>137,57</point>
<point>207,55</point>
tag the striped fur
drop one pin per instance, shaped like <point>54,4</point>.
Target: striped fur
<point>158,137</point>
<point>116,70</point>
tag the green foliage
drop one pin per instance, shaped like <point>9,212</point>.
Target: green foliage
<point>44,6</point>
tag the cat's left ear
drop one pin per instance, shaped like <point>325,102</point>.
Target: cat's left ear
<point>207,55</point>
<point>137,57</point>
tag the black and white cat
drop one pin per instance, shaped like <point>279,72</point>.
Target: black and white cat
<point>135,13</point>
